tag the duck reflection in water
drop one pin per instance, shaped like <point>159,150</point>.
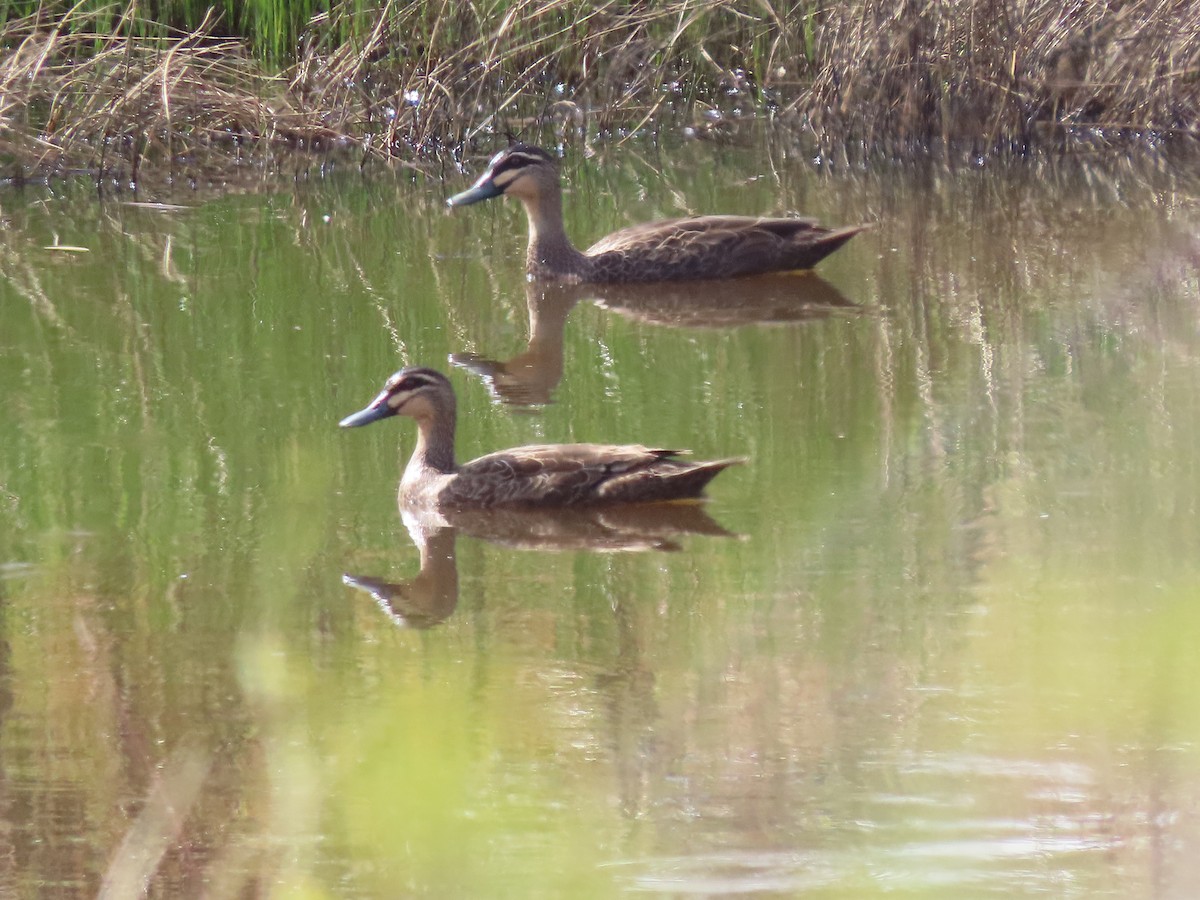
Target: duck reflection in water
<point>530,378</point>
<point>431,597</point>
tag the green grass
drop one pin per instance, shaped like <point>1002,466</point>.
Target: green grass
<point>113,89</point>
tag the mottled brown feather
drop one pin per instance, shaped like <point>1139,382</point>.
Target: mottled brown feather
<point>539,475</point>
<point>702,247</point>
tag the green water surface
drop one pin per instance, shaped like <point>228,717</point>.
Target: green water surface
<point>947,647</point>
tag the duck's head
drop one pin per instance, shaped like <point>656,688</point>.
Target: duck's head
<point>414,391</point>
<point>521,171</point>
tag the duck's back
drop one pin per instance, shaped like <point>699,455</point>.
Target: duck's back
<point>575,474</point>
<point>703,247</point>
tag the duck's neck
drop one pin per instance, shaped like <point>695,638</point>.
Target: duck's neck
<point>551,253</point>
<point>435,446</point>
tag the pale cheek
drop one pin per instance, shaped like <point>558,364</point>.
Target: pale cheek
<point>522,190</point>
<point>504,180</point>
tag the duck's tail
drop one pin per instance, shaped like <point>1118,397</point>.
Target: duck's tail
<point>669,479</point>
<point>813,248</point>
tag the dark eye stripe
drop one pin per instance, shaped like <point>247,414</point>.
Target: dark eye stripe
<point>514,160</point>
<point>412,382</point>
<point>407,381</point>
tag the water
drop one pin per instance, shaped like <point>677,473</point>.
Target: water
<point>936,638</point>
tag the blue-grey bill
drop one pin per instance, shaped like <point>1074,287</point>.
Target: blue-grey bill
<point>485,191</point>
<point>366,416</point>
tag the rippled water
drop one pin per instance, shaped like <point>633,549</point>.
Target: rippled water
<point>936,638</point>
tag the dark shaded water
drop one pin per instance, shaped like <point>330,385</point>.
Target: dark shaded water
<point>937,637</point>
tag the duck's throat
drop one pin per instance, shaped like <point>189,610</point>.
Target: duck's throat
<point>550,253</point>
<point>434,453</point>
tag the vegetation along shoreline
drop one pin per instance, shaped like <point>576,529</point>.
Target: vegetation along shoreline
<point>186,94</point>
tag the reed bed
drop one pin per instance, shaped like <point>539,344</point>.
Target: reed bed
<point>989,75</point>
<point>75,99</point>
<point>123,95</point>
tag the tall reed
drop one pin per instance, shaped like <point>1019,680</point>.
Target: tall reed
<point>1001,73</point>
<point>197,89</point>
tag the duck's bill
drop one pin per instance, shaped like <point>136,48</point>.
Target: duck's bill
<point>372,413</point>
<point>483,189</point>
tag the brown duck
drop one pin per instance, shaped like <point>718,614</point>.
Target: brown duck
<point>696,247</point>
<point>533,476</point>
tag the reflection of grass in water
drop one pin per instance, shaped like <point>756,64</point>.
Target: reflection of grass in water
<point>1105,648</point>
<point>110,346</point>
<point>407,765</point>
<point>415,775</point>
<point>462,794</point>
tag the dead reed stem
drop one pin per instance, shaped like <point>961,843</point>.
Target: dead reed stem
<point>412,80</point>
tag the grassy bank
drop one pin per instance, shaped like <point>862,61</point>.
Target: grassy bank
<point>183,91</point>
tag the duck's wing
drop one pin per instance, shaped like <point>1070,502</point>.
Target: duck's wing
<point>569,474</point>
<point>713,247</point>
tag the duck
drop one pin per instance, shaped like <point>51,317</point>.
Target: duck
<point>542,475</point>
<point>690,248</point>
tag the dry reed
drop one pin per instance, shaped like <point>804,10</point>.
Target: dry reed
<point>414,80</point>
<point>990,75</point>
